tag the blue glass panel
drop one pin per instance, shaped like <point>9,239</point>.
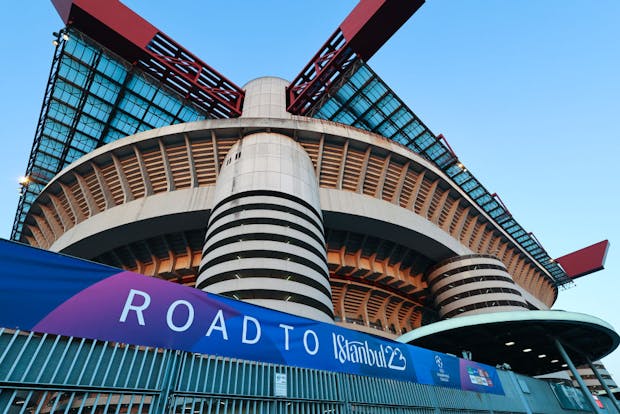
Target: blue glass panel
<point>328,109</point>
<point>462,178</point>
<point>91,127</point>
<point>141,87</point>
<point>488,206</point>
<point>47,162</point>
<point>388,104</point>
<point>104,89</point>
<point>188,114</point>
<point>83,142</point>
<point>73,72</point>
<point>470,185</point>
<point>133,105</point>
<point>67,93</point>
<point>374,90</point>
<point>112,135</point>
<point>345,117</point>
<point>166,102</point>
<point>55,130</point>
<point>112,69</point>
<point>402,117</point>
<point>80,50</point>
<point>346,92</point>
<point>425,140</point>
<point>157,118</point>
<point>453,170</point>
<point>51,146</point>
<point>73,155</point>
<point>373,117</point>
<point>401,138</point>
<point>124,123</point>
<point>481,199</point>
<point>60,113</point>
<point>435,151</point>
<point>387,129</point>
<point>97,109</point>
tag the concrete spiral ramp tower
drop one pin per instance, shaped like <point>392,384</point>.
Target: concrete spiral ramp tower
<point>265,240</point>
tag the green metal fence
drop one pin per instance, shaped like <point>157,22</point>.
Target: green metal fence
<point>42,373</point>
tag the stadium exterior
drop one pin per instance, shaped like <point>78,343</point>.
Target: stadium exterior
<point>336,204</point>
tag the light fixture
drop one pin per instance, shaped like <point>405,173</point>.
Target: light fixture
<point>542,356</point>
<point>510,343</point>
<point>527,350</point>
<point>24,180</point>
<point>553,361</point>
<point>55,42</point>
<point>564,365</point>
<point>65,36</point>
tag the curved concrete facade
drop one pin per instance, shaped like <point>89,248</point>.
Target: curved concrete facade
<point>142,203</point>
<point>265,240</point>
<point>472,284</point>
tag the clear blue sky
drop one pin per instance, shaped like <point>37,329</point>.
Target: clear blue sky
<point>527,93</point>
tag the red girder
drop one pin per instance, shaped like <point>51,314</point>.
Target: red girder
<point>584,261</point>
<point>360,35</point>
<point>125,33</point>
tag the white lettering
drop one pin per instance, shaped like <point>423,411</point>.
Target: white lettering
<point>219,317</point>
<point>359,352</point>
<point>129,306</point>
<point>245,339</point>
<point>286,329</point>
<point>316,342</point>
<point>190,315</point>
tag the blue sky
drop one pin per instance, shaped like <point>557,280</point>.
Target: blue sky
<point>527,93</point>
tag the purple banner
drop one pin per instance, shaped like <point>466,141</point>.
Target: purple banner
<point>47,292</point>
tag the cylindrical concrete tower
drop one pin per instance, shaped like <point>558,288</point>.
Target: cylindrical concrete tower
<point>265,240</point>
<point>472,284</point>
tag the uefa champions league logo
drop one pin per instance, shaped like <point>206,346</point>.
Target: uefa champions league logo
<point>441,373</point>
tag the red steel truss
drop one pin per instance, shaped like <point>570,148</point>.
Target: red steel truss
<point>359,36</point>
<point>125,33</point>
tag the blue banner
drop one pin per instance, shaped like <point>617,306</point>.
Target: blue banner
<point>47,292</point>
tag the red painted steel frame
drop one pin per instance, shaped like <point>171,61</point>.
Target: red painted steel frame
<point>125,33</point>
<point>360,35</point>
<point>584,261</point>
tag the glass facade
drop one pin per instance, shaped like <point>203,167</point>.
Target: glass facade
<point>364,101</point>
<point>93,98</point>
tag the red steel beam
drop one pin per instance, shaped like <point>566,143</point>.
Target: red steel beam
<point>584,261</point>
<point>360,35</point>
<point>125,33</point>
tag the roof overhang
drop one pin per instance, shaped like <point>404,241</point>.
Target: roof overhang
<point>505,337</point>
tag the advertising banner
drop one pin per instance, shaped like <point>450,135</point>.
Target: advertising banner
<point>47,292</point>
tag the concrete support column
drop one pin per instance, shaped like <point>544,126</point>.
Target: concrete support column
<point>572,368</point>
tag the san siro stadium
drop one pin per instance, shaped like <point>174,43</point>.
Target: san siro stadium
<point>325,197</point>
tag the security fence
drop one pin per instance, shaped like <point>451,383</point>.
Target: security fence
<point>43,373</point>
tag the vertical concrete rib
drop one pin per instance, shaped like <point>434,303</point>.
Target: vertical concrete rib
<point>192,164</point>
<point>164,156</point>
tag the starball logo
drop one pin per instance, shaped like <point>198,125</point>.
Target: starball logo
<point>360,352</point>
<point>441,372</point>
